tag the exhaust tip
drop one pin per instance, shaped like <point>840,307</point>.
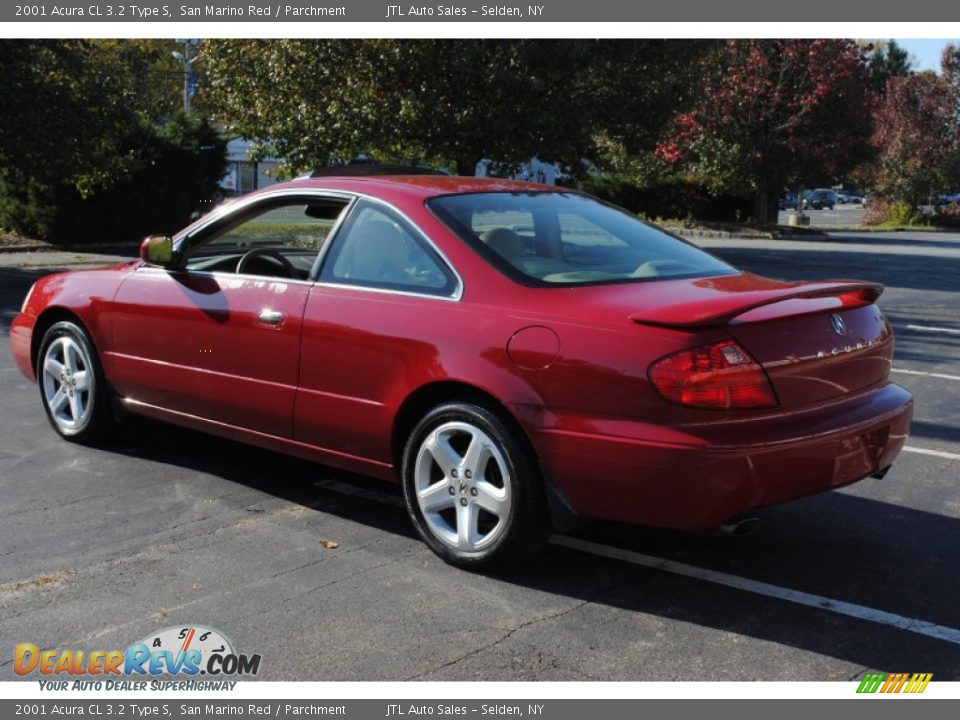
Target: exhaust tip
<point>740,527</point>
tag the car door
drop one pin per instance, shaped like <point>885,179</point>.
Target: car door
<point>383,292</point>
<point>218,337</point>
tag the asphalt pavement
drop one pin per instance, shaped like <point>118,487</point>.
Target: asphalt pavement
<point>320,572</point>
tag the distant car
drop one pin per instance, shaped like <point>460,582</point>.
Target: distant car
<point>845,197</point>
<point>787,201</point>
<point>820,199</point>
<point>516,356</point>
<point>948,199</point>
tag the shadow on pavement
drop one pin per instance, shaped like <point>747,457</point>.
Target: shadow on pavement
<point>935,431</point>
<point>848,548</point>
<point>948,242</point>
<point>914,343</point>
<point>918,272</point>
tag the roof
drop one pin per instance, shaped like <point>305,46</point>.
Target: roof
<point>416,186</point>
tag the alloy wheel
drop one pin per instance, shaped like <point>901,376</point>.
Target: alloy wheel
<point>462,486</point>
<point>68,384</point>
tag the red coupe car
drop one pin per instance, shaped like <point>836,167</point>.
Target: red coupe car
<point>518,356</point>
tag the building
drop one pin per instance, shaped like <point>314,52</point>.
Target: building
<point>244,174</point>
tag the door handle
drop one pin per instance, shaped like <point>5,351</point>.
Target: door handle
<point>270,317</point>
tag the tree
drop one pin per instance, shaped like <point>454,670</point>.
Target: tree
<point>61,109</point>
<point>83,119</point>
<point>885,60</point>
<point>774,113</point>
<point>451,102</point>
<point>175,173</point>
<point>918,135</point>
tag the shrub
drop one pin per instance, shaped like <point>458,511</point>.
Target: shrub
<point>947,216</point>
<point>876,213</point>
<point>674,199</point>
<point>171,172</point>
<point>883,212</point>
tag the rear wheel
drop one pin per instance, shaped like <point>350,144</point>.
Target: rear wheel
<point>72,386</point>
<point>473,489</point>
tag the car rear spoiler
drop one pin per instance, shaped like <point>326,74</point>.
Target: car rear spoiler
<point>715,308</point>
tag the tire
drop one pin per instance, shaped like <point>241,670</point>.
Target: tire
<point>473,488</point>
<point>73,389</point>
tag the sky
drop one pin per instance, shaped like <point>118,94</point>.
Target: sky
<point>926,52</point>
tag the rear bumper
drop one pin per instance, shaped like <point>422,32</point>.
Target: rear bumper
<point>21,333</point>
<point>699,478</point>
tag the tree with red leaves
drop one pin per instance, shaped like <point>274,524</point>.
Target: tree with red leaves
<point>773,114</point>
<point>913,128</point>
<point>918,134</point>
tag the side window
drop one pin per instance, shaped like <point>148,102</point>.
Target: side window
<point>279,240</point>
<point>377,248</point>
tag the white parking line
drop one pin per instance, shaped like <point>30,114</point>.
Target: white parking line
<point>935,453</point>
<point>861,612</point>
<point>931,328</point>
<point>941,376</point>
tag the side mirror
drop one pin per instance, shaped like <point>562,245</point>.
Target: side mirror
<point>157,249</point>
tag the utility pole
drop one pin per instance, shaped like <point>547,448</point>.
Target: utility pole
<point>187,58</point>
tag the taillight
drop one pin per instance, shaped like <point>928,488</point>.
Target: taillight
<point>858,298</point>
<point>722,375</point>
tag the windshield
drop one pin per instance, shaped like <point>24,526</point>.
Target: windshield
<point>556,238</point>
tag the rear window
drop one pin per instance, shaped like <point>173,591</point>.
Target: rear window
<point>554,238</point>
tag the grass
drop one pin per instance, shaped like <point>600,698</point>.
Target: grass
<point>308,235</point>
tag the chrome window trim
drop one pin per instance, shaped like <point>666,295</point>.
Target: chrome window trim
<point>331,238</point>
<point>251,200</point>
<point>390,291</point>
<point>455,295</point>
<point>352,199</point>
<point>312,283</point>
<point>227,275</point>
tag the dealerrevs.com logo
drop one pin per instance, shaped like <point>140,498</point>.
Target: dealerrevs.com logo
<point>894,682</point>
<point>189,651</point>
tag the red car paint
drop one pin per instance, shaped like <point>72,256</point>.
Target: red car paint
<point>569,364</point>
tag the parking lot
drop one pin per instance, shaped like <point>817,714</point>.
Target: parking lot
<point>320,572</point>
<point>848,215</point>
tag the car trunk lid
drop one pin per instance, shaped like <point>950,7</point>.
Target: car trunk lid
<point>815,341</point>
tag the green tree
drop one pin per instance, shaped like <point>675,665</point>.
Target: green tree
<point>452,102</point>
<point>61,114</point>
<point>82,119</point>
<point>885,60</point>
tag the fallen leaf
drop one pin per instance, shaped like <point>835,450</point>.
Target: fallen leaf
<point>330,544</point>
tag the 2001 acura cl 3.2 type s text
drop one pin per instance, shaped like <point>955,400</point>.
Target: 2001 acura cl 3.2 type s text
<point>518,356</point>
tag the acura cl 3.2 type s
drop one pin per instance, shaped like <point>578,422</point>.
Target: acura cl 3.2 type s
<point>519,357</point>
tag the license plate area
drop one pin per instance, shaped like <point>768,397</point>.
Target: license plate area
<point>859,456</point>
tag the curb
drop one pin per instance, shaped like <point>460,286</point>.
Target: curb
<point>693,232</point>
<point>24,248</point>
<point>111,249</point>
<point>754,235</point>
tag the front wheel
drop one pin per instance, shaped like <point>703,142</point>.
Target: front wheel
<point>473,488</point>
<point>72,386</point>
